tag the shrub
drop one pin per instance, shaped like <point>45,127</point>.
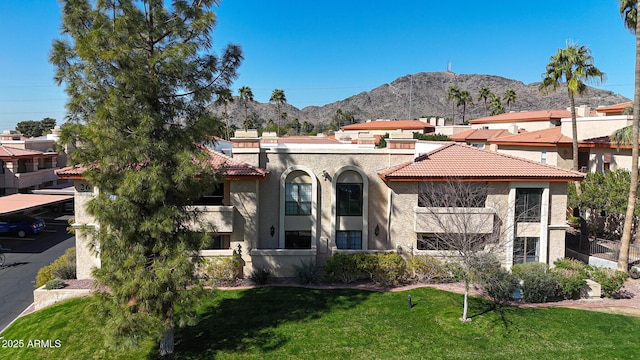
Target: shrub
<point>611,281</point>
<point>573,264</point>
<point>221,271</point>
<point>425,268</point>
<point>570,282</point>
<point>344,268</point>
<point>498,283</point>
<point>47,273</point>
<point>307,273</point>
<point>389,269</point>
<point>538,284</point>
<point>54,284</point>
<point>260,276</point>
<point>65,271</point>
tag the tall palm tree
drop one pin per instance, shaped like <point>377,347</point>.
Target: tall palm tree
<point>484,94</point>
<point>629,12</point>
<point>574,65</point>
<point>278,98</point>
<point>224,97</point>
<point>497,107</point>
<point>453,96</point>
<point>464,98</point>
<point>510,97</point>
<point>246,97</point>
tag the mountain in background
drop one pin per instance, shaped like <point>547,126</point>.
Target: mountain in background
<point>424,95</point>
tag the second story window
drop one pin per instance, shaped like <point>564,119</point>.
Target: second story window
<point>298,199</point>
<point>528,204</point>
<point>349,198</point>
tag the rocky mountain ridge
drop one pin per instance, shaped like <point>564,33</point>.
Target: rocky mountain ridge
<point>424,95</point>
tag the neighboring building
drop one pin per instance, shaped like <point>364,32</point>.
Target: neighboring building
<point>28,164</point>
<point>479,137</point>
<point>527,120</point>
<point>286,202</point>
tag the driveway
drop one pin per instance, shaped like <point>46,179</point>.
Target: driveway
<point>26,257</point>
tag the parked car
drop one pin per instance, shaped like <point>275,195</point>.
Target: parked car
<point>21,225</point>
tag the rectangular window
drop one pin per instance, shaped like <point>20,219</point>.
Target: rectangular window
<point>431,242</point>
<point>349,239</point>
<point>217,242</point>
<point>297,199</point>
<point>526,249</point>
<point>543,157</point>
<point>297,239</point>
<point>528,204</point>
<point>213,197</point>
<point>349,199</point>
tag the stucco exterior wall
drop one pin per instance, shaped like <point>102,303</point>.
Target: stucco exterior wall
<point>595,126</point>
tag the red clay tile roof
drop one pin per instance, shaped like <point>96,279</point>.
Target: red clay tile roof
<point>615,108</point>
<point>7,152</point>
<point>539,115</point>
<point>545,137</point>
<point>234,169</point>
<point>479,134</point>
<point>390,125</point>
<point>230,168</point>
<point>71,172</point>
<point>460,162</point>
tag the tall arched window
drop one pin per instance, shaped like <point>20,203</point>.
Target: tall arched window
<point>350,207</point>
<point>298,208</point>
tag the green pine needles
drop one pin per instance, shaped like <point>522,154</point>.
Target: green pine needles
<point>139,75</point>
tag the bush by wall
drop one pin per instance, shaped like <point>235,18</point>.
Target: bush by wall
<point>62,268</point>
<point>498,283</point>
<point>538,285</point>
<point>385,269</point>
<point>221,271</point>
<point>611,281</point>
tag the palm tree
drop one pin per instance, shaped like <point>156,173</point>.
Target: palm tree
<point>484,94</point>
<point>464,98</point>
<point>574,64</point>
<point>246,97</point>
<point>510,97</point>
<point>453,95</point>
<point>629,12</point>
<point>224,97</point>
<point>497,107</point>
<point>278,98</point>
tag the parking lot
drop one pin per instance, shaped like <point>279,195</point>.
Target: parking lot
<point>25,257</point>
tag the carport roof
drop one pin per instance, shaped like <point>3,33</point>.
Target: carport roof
<point>22,202</point>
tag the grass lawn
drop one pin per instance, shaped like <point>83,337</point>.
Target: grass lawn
<point>297,323</point>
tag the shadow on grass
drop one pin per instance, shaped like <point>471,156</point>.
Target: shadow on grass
<point>247,322</point>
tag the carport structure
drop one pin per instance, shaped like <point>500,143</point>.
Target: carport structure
<point>22,203</point>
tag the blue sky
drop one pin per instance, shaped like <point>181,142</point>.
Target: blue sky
<point>323,51</point>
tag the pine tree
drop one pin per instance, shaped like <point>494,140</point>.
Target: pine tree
<point>139,75</point>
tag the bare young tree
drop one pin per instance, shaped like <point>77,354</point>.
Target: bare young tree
<point>462,222</point>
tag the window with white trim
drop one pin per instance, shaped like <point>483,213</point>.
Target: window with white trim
<point>349,239</point>
<point>526,250</point>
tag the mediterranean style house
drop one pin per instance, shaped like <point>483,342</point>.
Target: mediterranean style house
<point>285,202</point>
<point>28,164</point>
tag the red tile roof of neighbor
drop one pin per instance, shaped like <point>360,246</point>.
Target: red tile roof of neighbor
<point>460,162</point>
<point>539,115</point>
<point>7,152</point>
<point>545,137</point>
<point>479,134</point>
<point>389,125</point>
<point>615,108</point>
<point>231,169</point>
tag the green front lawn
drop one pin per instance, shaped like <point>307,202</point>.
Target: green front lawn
<point>295,323</point>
